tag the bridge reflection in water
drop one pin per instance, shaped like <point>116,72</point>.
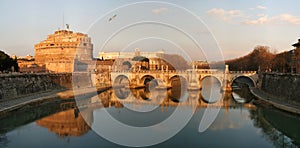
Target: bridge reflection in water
<point>209,96</point>
<point>69,122</point>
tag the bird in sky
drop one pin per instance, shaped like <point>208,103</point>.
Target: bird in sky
<point>112,18</point>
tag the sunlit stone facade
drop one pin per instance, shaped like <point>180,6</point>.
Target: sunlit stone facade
<point>59,51</point>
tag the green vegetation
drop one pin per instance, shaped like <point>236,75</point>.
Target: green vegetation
<point>7,63</point>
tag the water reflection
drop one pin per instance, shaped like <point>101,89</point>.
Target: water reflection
<point>242,94</point>
<point>279,127</point>
<point>26,115</point>
<point>189,98</point>
<point>143,111</point>
<point>66,123</point>
<point>178,88</point>
<point>261,126</point>
<point>211,89</point>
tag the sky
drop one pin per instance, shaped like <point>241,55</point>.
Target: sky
<point>206,28</point>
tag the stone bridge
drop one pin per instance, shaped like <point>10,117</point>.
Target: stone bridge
<point>192,78</point>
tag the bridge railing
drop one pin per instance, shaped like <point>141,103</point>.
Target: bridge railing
<point>242,72</point>
<point>167,71</point>
<point>184,71</point>
<point>148,71</point>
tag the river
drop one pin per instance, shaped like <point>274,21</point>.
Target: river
<point>237,123</point>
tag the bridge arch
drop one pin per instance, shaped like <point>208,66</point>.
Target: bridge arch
<point>178,78</point>
<point>179,85</point>
<point>210,76</point>
<point>244,79</point>
<point>121,87</point>
<point>209,92</point>
<point>121,80</point>
<point>150,82</point>
<point>146,79</point>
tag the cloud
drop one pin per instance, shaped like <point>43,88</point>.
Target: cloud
<point>261,15</point>
<point>224,14</point>
<point>288,18</point>
<point>263,19</point>
<point>279,19</point>
<point>260,7</point>
<point>248,18</point>
<point>159,10</point>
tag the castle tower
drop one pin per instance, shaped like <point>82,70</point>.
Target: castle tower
<point>58,52</point>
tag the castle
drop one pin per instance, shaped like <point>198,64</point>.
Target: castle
<point>60,50</point>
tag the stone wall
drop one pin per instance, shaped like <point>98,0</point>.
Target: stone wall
<point>282,85</point>
<point>16,85</point>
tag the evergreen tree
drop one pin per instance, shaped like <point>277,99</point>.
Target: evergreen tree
<point>6,63</point>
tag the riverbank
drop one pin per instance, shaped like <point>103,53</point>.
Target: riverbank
<point>275,101</point>
<point>39,98</point>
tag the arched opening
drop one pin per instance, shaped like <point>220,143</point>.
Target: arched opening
<point>121,81</point>
<point>240,86</point>
<point>243,80</point>
<point>179,86</point>
<point>149,82</point>
<point>121,87</point>
<point>211,89</point>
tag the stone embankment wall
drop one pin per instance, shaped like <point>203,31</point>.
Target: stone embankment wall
<point>16,85</point>
<point>285,86</point>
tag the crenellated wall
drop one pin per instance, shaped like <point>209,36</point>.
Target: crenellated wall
<point>282,85</point>
<point>17,85</point>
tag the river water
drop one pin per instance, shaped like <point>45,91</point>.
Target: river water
<point>239,123</point>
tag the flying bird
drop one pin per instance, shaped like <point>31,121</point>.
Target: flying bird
<point>112,18</point>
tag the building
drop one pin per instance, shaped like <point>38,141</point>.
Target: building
<point>200,65</point>
<point>116,55</point>
<point>61,50</point>
<point>296,57</point>
<point>145,60</point>
<point>27,65</point>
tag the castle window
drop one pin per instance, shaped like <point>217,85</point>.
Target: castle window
<point>84,44</point>
<point>51,44</point>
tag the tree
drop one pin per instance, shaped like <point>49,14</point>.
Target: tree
<point>7,63</point>
<point>260,57</point>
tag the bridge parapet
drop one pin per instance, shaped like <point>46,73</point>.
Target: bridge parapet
<point>242,72</point>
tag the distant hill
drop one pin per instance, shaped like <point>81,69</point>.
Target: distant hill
<point>176,61</point>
